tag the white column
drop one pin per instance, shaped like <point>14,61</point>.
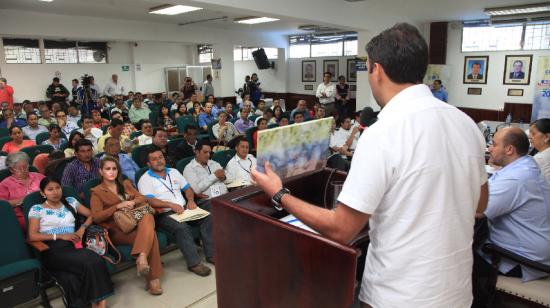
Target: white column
<point>364,96</point>
<point>224,79</point>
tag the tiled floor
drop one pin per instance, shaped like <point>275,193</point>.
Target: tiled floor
<point>181,288</point>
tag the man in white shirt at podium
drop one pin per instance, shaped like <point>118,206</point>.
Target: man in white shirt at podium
<point>417,178</point>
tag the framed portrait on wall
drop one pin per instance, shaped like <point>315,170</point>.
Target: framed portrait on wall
<point>476,69</point>
<point>332,67</point>
<point>351,75</point>
<point>517,69</point>
<point>309,71</point>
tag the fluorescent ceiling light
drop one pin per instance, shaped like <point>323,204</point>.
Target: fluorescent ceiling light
<point>519,9</point>
<point>255,20</point>
<point>45,0</point>
<point>173,9</point>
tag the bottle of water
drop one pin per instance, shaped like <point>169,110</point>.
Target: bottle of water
<point>521,124</point>
<point>508,121</point>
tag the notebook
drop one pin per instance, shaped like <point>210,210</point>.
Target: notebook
<point>190,215</point>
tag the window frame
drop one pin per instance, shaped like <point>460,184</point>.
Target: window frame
<point>311,40</point>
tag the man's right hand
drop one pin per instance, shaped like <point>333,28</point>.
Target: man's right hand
<point>178,209</point>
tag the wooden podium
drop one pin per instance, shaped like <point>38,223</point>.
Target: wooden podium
<point>263,262</point>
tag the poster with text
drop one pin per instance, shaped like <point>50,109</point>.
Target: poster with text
<point>295,149</point>
<point>541,103</point>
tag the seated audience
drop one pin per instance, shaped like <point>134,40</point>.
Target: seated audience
<point>298,117</point>
<point>260,108</point>
<point>277,113</point>
<point>84,168</point>
<point>539,135</point>
<point>346,137</point>
<point>239,167</point>
<point>320,113</point>
<point>19,184</point>
<point>127,164</point>
<point>28,108</point>
<point>186,148</point>
<point>73,138</point>
<point>8,120</point>
<point>64,125</point>
<point>301,107</point>
<point>439,91</point>
<point>224,131</point>
<point>18,112</point>
<point>46,118</point>
<point>243,123</point>
<point>33,128</point>
<point>115,130</point>
<point>55,138</point>
<point>82,273</point>
<point>339,150</point>
<point>89,131</point>
<point>196,111</point>
<point>117,115</point>
<point>160,139</point>
<point>262,124</point>
<point>17,142</point>
<point>146,136</point>
<point>114,194</point>
<point>276,103</point>
<point>191,101</point>
<point>518,211</point>
<point>73,114</point>
<point>98,120</point>
<point>268,115</point>
<point>165,121</point>
<point>163,189</point>
<point>180,111</point>
<point>229,111</point>
<point>138,111</point>
<point>121,107</point>
<point>205,176</point>
<point>283,121</point>
<point>206,117</point>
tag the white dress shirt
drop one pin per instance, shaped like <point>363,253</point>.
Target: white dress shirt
<point>418,172</point>
<point>543,160</point>
<point>203,180</point>
<point>144,139</point>
<point>330,91</point>
<point>239,169</point>
<point>112,89</point>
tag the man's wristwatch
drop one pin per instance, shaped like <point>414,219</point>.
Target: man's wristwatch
<point>276,200</point>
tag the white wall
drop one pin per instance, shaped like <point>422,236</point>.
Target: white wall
<point>272,80</point>
<point>294,81</point>
<point>494,93</point>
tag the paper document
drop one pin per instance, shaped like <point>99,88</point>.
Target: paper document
<point>290,219</point>
<point>190,215</point>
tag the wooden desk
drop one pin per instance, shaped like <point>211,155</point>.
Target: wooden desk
<point>263,262</point>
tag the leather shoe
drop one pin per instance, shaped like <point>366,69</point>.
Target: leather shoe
<point>210,260</point>
<point>154,287</point>
<point>201,270</point>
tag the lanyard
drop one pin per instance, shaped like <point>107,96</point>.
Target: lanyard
<point>209,171</point>
<point>249,168</point>
<point>171,188</point>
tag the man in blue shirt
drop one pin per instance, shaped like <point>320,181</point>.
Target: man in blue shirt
<point>207,117</point>
<point>518,211</point>
<point>439,92</point>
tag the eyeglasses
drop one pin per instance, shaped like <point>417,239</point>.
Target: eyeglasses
<point>20,169</point>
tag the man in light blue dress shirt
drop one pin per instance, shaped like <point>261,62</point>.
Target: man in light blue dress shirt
<point>518,211</point>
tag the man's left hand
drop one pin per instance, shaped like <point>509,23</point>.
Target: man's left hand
<point>191,205</point>
<point>269,181</point>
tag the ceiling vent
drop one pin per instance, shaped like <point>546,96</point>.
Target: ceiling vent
<point>317,28</point>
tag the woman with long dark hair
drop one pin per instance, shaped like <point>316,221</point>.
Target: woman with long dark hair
<point>81,273</point>
<point>115,194</point>
<point>73,138</point>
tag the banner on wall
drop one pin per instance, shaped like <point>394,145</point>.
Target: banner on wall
<point>438,71</point>
<point>541,103</point>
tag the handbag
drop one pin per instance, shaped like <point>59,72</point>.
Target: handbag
<point>97,240</point>
<point>127,220</point>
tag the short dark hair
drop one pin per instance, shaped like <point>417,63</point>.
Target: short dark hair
<point>31,114</point>
<point>60,110</point>
<point>241,139</point>
<point>55,79</point>
<point>201,143</point>
<point>116,122</point>
<point>75,80</point>
<point>401,51</point>
<point>109,139</point>
<point>86,117</point>
<point>438,81</point>
<point>189,127</point>
<point>158,129</point>
<point>341,77</point>
<point>82,143</point>
<point>297,113</point>
<point>149,150</point>
<point>327,73</point>
<point>518,139</point>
